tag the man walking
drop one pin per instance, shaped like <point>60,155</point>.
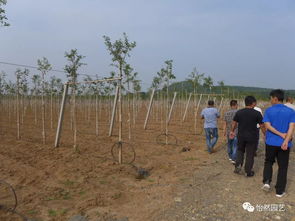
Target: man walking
<point>289,103</point>
<point>258,126</point>
<point>210,114</point>
<point>248,135</point>
<point>228,119</point>
<point>279,121</point>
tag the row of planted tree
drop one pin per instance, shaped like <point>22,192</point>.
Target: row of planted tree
<point>36,98</point>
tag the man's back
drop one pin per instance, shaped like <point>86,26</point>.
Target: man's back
<point>279,116</point>
<point>210,115</point>
<point>247,119</point>
<point>228,118</point>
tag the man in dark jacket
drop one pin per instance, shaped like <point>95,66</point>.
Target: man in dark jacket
<point>248,135</point>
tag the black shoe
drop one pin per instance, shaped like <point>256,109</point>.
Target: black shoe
<point>250,174</point>
<point>237,169</point>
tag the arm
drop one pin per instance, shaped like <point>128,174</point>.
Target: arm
<point>233,128</point>
<point>217,114</point>
<point>273,130</point>
<point>263,129</point>
<point>288,136</point>
<point>224,128</point>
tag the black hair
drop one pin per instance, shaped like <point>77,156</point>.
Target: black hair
<point>210,103</point>
<point>233,103</point>
<point>249,100</point>
<point>278,93</point>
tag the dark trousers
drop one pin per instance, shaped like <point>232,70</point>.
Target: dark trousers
<point>250,148</point>
<point>282,156</point>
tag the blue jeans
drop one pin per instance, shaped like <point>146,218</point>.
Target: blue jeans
<point>211,138</point>
<point>232,146</point>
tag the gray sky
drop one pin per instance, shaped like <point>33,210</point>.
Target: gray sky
<point>248,43</point>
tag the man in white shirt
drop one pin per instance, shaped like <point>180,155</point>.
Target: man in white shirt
<point>289,103</point>
<point>258,126</point>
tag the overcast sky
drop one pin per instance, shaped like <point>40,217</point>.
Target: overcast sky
<point>250,43</point>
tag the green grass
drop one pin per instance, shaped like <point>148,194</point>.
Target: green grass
<point>52,213</point>
<point>68,183</point>
<point>117,196</point>
<point>103,182</point>
<point>32,212</point>
<point>81,193</point>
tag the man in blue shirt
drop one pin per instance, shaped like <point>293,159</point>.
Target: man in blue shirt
<point>210,114</point>
<point>279,121</point>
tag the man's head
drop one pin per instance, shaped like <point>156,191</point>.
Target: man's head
<point>250,101</point>
<point>210,103</point>
<point>234,104</point>
<point>289,100</point>
<point>277,96</point>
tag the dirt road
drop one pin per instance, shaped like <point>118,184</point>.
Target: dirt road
<point>216,193</point>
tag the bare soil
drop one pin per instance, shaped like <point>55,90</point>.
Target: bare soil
<point>56,184</point>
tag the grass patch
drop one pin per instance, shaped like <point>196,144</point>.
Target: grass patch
<point>63,212</point>
<point>52,213</point>
<point>32,212</point>
<point>151,180</point>
<point>117,196</point>
<point>81,193</point>
<point>103,182</point>
<point>60,195</point>
<point>68,183</point>
<point>183,180</point>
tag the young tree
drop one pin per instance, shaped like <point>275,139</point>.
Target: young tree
<point>44,67</point>
<point>71,68</point>
<point>221,85</point>
<point>208,83</point>
<point>21,89</point>
<point>2,82</point>
<point>196,79</point>
<point>3,18</point>
<point>156,82</point>
<point>36,80</point>
<point>119,51</point>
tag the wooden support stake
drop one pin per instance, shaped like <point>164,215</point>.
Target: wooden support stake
<point>197,110</point>
<point>171,109</point>
<point>186,108</point>
<point>149,110</point>
<point>114,112</point>
<point>61,115</point>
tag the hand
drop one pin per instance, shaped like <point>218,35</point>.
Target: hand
<point>283,135</point>
<point>224,133</point>
<point>284,145</point>
<point>232,135</point>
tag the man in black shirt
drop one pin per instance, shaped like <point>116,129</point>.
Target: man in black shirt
<point>248,134</point>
